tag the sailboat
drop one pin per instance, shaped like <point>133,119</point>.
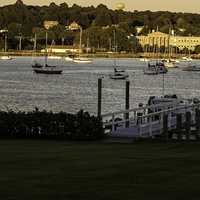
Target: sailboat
<point>118,74</point>
<point>169,62</point>
<point>5,57</point>
<point>36,64</point>
<point>81,59</point>
<point>47,69</point>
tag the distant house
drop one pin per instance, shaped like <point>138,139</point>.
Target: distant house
<point>73,26</point>
<point>50,24</point>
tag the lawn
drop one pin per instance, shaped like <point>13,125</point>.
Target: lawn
<point>48,170</point>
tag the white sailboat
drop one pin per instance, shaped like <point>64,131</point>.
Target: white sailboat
<point>81,59</point>
<point>169,62</point>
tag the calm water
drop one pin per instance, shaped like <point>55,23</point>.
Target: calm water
<point>76,88</point>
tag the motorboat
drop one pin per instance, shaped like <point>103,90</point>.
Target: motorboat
<point>6,57</point>
<point>82,60</point>
<point>69,58</point>
<point>144,59</point>
<point>54,57</point>
<point>185,58</point>
<point>155,68</point>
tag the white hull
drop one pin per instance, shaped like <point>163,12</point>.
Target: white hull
<point>69,59</point>
<point>82,60</point>
<point>144,59</point>
<point>54,57</point>
<point>5,58</point>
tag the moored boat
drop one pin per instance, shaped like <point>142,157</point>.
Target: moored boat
<point>82,60</point>
<point>155,68</point>
<point>47,71</point>
<point>119,75</point>
<point>6,58</point>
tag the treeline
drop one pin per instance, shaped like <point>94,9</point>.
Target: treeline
<point>43,124</point>
<point>98,24</point>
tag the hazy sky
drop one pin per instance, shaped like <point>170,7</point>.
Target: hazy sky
<point>170,5</point>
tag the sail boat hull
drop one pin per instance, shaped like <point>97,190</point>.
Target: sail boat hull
<point>45,71</point>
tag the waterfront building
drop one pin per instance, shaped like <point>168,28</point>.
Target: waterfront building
<point>157,39</point>
<point>50,24</point>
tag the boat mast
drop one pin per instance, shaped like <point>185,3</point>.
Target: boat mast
<point>46,49</point>
<point>115,49</point>
<point>5,49</point>
<point>35,43</point>
<point>80,41</point>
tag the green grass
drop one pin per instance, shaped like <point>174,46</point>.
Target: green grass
<point>41,170</point>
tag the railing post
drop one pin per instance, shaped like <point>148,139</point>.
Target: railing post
<point>127,103</point>
<point>188,125</point>
<point>113,122</point>
<point>197,122</point>
<point>165,126</point>
<point>150,126</point>
<point>179,126</point>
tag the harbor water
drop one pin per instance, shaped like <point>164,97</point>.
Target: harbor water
<point>23,90</point>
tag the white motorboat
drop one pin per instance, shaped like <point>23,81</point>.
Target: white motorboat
<point>54,57</point>
<point>69,58</point>
<point>185,58</point>
<point>6,58</point>
<point>82,60</point>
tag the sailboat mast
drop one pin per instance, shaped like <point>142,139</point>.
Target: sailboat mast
<point>46,49</point>
<point>35,43</point>
<point>5,43</point>
<point>80,41</point>
<point>114,38</point>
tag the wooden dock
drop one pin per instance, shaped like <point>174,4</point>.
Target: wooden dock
<point>169,120</point>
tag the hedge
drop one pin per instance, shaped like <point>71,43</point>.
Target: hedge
<point>80,126</point>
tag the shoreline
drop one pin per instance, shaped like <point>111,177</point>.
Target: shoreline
<point>99,55</point>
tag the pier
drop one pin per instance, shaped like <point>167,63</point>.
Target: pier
<point>174,120</point>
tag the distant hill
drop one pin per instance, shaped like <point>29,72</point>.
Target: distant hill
<point>33,16</point>
<point>98,24</point>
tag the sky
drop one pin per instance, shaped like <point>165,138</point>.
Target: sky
<point>192,6</point>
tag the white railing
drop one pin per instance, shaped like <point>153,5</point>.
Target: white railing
<point>150,121</point>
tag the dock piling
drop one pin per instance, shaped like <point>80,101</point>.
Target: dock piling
<point>99,97</point>
<point>127,103</point>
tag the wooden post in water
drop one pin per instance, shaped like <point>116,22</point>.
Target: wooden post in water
<point>188,125</point>
<point>99,97</point>
<point>197,123</point>
<point>179,126</point>
<point>127,103</point>
<point>165,126</point>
